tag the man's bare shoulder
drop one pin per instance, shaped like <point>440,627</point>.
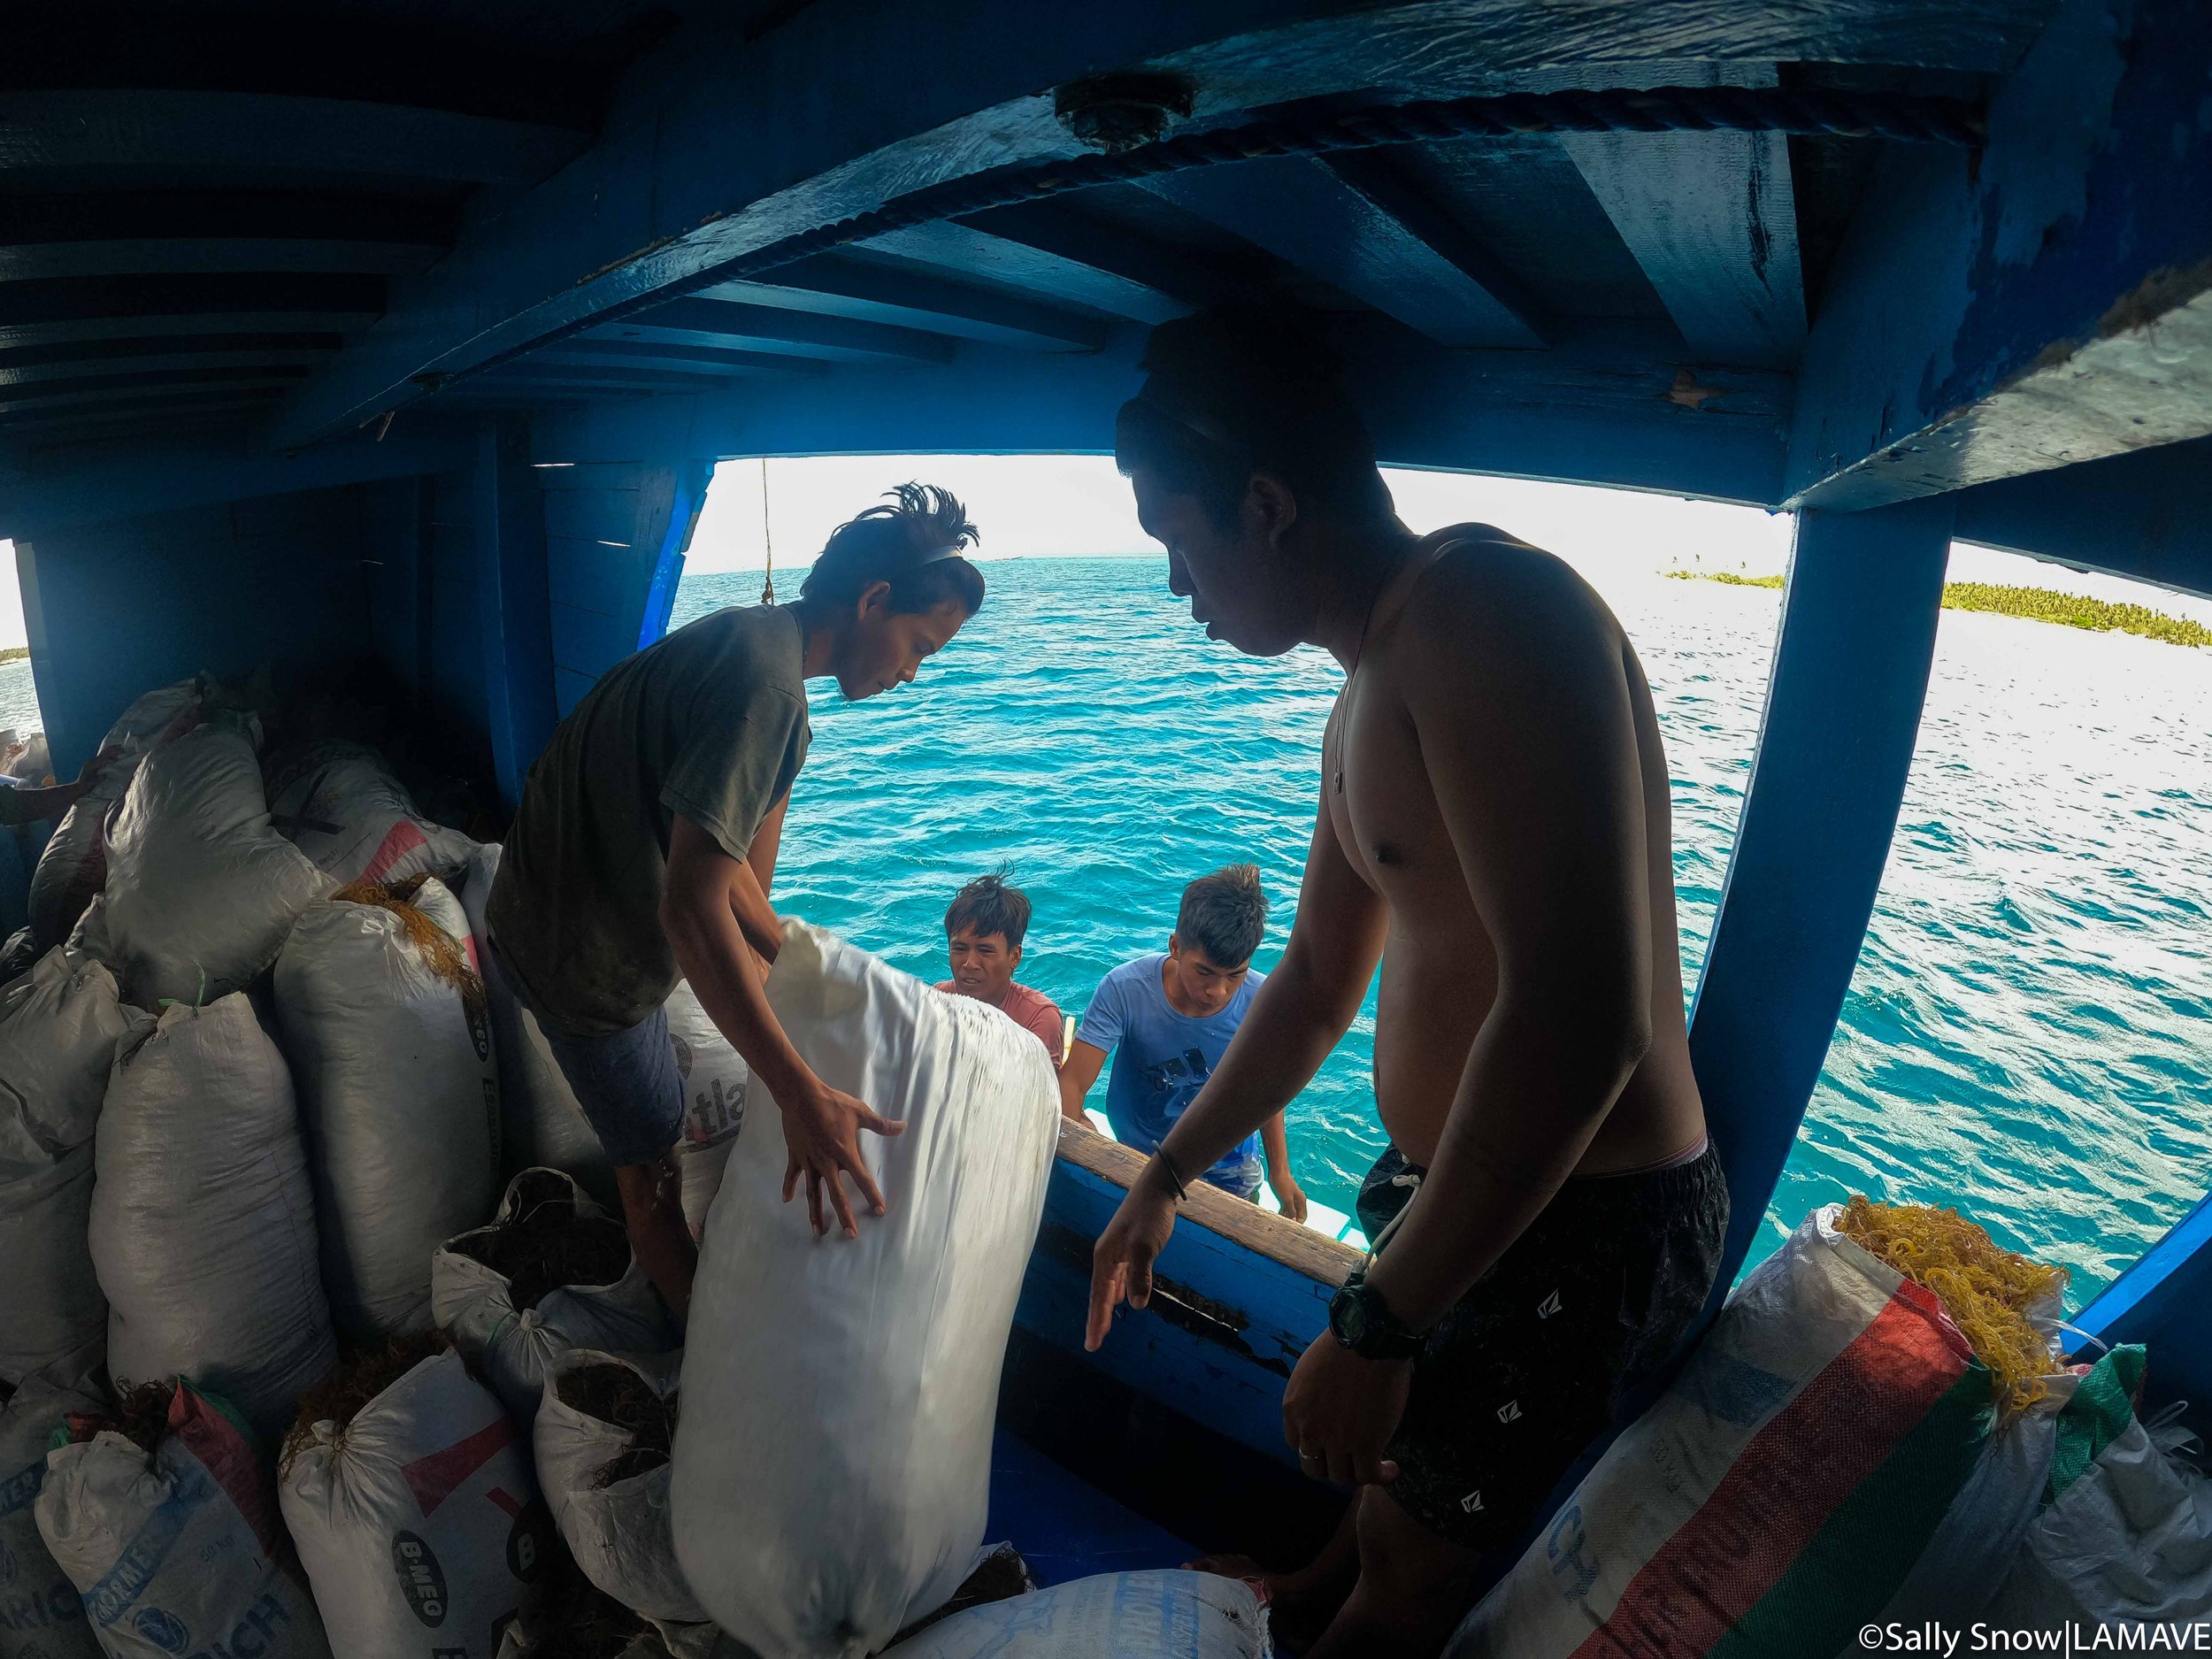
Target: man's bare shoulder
<point>1488,593</point>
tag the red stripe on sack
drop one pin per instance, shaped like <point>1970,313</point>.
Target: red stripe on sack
<point>434,1479</point>
<point>507,1501</point>
<point>1841,1427</point>
<point>402,839</point>
<point>218,1447</point>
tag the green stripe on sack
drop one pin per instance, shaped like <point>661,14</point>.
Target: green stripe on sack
<point>1858,1558</point>
<point>2102,1406</point>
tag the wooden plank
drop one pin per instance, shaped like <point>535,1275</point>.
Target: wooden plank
<point>2045,302</point>
<point>1051,252</point>
<point>1314,216</point>
<point>1842,713</point>
<point>885,289</point>
<point>1710,220</point>
<point>122,255</point>
<point>77,368</point>
<point>15,400</point>
<point>720,144</point>
<point>2160,1301</point>
<point>586,575</point>
<point>699,362</point>
<point>725,325</point>
<point>264,132</point>
<point>2146,515</point>
<point>515,643</point>
<point>589,642</point>
<point>1320,1258</point>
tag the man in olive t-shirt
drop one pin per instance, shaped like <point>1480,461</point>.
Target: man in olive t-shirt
<point>646,842</point>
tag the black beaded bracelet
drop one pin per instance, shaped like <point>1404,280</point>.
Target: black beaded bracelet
<point>1174,1175</point>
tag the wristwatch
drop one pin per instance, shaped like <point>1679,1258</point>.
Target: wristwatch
<point>1362,1321</point>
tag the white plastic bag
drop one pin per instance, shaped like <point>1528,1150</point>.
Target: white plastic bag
<point>514,1332</point>
<point>203,1225</point>
<point>716,1079</point>
<point>58,1026</point>
<point>418,1522</point>
<point>179,1553</point>
<point>618,1530</point>
<point>542,1127</point>
<point>343,806</point>
<point>391,1048</point>
<point>40,1613</point>
<point>1124,1615</point>
<point>201,891</point>
<point>837,1489</point>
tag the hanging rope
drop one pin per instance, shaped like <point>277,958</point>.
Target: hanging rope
<point>767,542</point>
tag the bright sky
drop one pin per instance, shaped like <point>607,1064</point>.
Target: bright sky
<point>1032,506</point>
<point>11,629</point>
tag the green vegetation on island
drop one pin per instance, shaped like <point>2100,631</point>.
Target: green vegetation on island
<point>14,654</point>
<point>2037,604</point>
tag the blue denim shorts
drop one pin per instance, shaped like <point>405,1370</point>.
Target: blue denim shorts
<point>626,1081</point>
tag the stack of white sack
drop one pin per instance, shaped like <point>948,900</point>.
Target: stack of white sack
<point>837,1489</point>
<point>73,864</point>
<point>551,1274</point>
<point>390,1038</point>
<point>343,806</point>
<point>59,1024</point>
<point>42,1616</point>
<point>541,1126</point>
<point>416,1518</point>
<point>606,1481</point>
<point>201,890</point>
<point>203,1225</point>
<point>176,1551</point>
<point>1124,1615</point>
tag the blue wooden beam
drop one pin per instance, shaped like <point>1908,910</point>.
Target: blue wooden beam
<point>2161,1302</point>
<point>265,132</point>
<point>1710,219</point>
<point>1364,232</point>
<point>2043,301</point>
<point>1842,713</point>
<point>163,256</point>
<point>720,143</point>
<point>124,307</point>
<point>512,602</point>
<point>691,494</point>
<point>883,288</point>
<point>1049,250</point>
<point>2146,515</point>
<point>60,371</point>
<point>725,325</point>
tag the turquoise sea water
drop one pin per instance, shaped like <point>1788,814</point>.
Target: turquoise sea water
<point>2025,1034</point>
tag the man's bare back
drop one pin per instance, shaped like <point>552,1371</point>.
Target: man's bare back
<point>1440,972</point>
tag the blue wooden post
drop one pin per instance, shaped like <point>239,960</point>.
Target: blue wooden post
<point>1843,708</point>
<point>512,604</point>
<point>692,479</point>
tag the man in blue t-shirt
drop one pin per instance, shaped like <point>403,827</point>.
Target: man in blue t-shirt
<point>1167,1018</point>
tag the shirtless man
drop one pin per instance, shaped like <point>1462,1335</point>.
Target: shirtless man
<point>1494,828</point>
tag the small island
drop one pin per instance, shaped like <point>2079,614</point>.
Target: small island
<point>2037,604</point>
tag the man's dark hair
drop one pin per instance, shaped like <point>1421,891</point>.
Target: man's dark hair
<point>990,904</point>
<point>907,543</point>
<point>1233,392</point>
<point>1224,915</point>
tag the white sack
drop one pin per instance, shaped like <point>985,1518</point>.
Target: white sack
<point>343,805</point>
<point>837,1489</point>
<point>619,1533</point>
<point>202,1220</point>
<point>59,1027</point>
<point>541,1124</point>
<point>181,1553</point>
<point>417,1521</point>
<point>716,1078</point>
<point>201,891</point>
<point>513,1347</point>
<point>1114,1616</point>
<point>150,713</point>
<point>40,1613</point>
<point>398,1098</point>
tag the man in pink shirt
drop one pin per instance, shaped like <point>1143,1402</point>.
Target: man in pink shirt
<point>983,930</point>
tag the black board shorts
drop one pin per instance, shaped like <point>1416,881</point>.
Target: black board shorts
<point>1532,1364</point>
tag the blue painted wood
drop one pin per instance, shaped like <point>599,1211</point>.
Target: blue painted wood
<point>1229,1381</point>
<point>1710,219</point>
<point>516,648</point>
<point>2161,1302</point>
<point>162,255</point>
<point>1842,713</point>
<point>2146,515</point>
<point>50,371</point>
<point>1327,222</point>
<point>688,497</point>
<point>733,325</point>
<point>1064,1527</point>
<point>1049,250</point>
<point>2045,301</point>
<point>880,286</point>
<point>254,131</point>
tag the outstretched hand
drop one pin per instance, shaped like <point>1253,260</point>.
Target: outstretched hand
<point>1121,1262</point>
<point>822,1131</point>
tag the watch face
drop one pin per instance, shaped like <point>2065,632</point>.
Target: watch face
<point>1347,1312</point>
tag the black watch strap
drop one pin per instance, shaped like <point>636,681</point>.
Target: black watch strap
<point>1362,1321</point>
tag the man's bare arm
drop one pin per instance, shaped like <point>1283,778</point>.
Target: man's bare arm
<point>1308,1003</point>
<point>748,890</point>
<point>1519,695</point>
<point>1077,1074</point>
<point>700,905</point>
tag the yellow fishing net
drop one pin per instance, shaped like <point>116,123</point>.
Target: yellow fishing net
<point>436,947</point>
<point>1986,1291</point>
